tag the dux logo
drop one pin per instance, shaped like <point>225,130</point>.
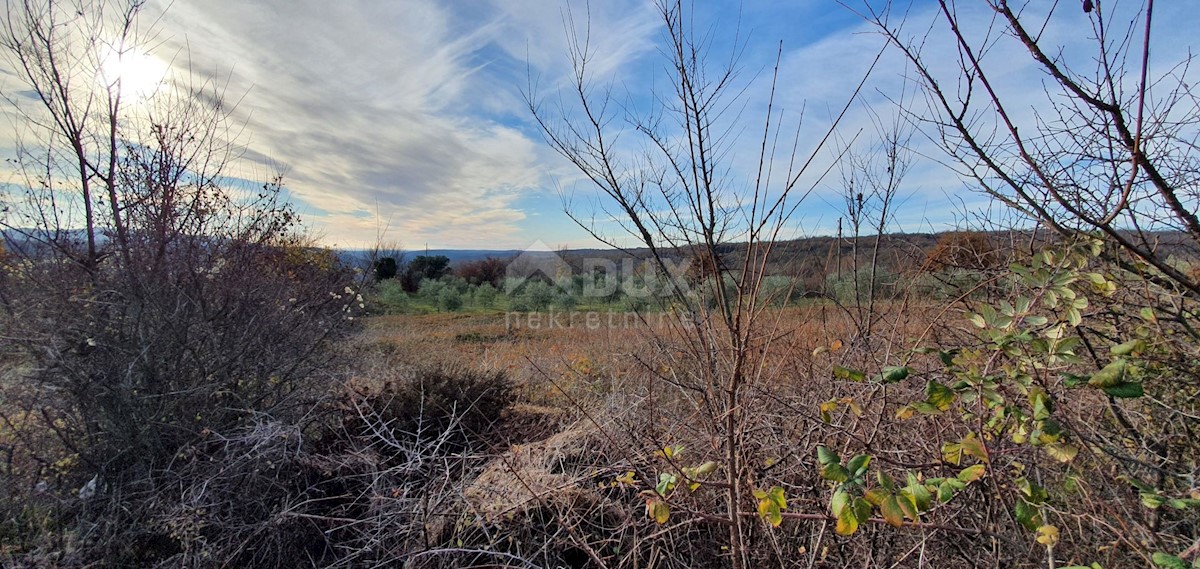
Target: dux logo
<point>537,264</point>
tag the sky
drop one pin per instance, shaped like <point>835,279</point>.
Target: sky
<point>406,121</point>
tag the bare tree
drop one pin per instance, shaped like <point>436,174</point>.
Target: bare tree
<point>871,181</point>
<point>683,195</point>
<point>1108,150</point>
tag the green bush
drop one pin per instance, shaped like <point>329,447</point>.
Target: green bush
<point>449,299</point>
<point>857,287</point>
<point>485,295</point>
<point>391,295</point>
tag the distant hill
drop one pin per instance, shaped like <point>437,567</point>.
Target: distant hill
<point>358,257</point>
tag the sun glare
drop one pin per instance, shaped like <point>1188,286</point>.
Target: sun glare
<point>140,75</point>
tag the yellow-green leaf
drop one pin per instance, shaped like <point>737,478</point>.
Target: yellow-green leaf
<point>706,468</point>
<point>839,502</point>
<point>776,496</point>
<point>1062,452</point>
<point>1047,535</point>
<point>835,473</point>
<point>908,507</point>
<point>952,453</point>
<point>1110,375</point>
<point>1127,348</point>
<point>972,473</point>
<point>826,456</point>
<point>662,513</point>
<point>848,374</point>
<point>847,522</point>
<point>876,496</point>
<point>945,492</point>
<point>974,447</point>
<point>892,514</point>
<point>939,395</point>
<point>1028,515</point>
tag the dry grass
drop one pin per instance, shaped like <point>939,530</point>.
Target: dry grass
<point>571,355</point>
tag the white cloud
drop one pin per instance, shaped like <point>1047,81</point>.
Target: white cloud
<point>411,109</point>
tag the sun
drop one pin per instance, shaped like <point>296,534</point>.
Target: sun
<point>140,75</point>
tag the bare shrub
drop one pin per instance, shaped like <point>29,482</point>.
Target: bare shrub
<point>422,404</point>
<point>150,305</point>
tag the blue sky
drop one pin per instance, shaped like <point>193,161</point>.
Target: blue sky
<point>406,119</point>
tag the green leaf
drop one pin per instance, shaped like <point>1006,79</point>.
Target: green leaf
<point>1167,561</point>
<point>858,465</point>
<point>947,357</point>
<point>1041,403</point>
<point>1036,320</point>
<point>1110,375</point>
<point>1072,380</point>
<point>1033,493</point>
<point>835,473</point>
<point>1126,390</point>
<point>922,497</point>
<point>1028,515</point>
<point>826,456</point>
<point>939,396</point>
<point>885,481</point>
<point>894,374</point>
<point>862,509</point>
<point>945,492</point>
<point>848,374</point>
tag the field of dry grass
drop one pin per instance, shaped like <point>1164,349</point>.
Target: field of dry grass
<point>538,350</point>
<point>598,403</point>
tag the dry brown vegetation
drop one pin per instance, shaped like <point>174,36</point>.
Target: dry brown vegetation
<point>188,382</point>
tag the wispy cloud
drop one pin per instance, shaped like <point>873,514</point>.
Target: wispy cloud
<point>410,114</point>
<point>404,114</point>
